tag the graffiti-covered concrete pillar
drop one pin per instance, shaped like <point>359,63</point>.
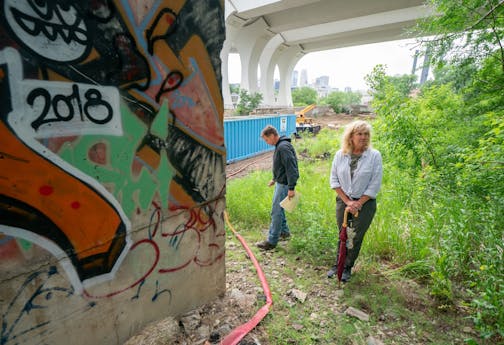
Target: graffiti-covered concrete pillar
<point>112,166</point>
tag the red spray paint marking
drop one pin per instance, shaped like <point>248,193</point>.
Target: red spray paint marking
<point>46,190</point>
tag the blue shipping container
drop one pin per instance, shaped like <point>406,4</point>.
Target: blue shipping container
<point>242,135</point>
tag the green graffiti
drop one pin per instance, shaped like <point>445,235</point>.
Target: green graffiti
<point>131,191</point>
<point>159,126</point>
<point>24,244</point>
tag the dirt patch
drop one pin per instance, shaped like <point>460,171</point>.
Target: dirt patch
<point>243,167</point>
<point>337,121</point>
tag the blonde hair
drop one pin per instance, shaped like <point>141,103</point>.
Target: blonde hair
<point>350,129</point>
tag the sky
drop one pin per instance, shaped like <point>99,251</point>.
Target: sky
<point>347,67</point>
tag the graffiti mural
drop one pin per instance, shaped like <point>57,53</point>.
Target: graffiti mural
<point>111,149</point>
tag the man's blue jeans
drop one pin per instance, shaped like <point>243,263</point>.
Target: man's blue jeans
<point>278,222</point>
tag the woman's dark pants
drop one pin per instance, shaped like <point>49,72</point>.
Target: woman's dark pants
<point>360,224</point>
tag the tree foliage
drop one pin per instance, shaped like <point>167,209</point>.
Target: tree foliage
<point>449,139</point>
<point>341,101</point>
<point>468,30</point>
<point>234,88</point>
<point>378,79</point>
<point>248,102</point>
<point>304,96</point>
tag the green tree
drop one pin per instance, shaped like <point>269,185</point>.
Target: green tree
<point>353,97</point>
<point>404,83</point>
<point>468,53</point>
<point>450,139</point>
<point>234,88</point>
<point>248,102</point>
<point>469,30</point>
<point>341,101</point>
<point>378,79</point>
<point>304,96</point>
<point>335,100</point>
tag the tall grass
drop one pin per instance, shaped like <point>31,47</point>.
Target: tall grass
<point>323,145</point>
<point>313,223</point>
<point>249,201</point>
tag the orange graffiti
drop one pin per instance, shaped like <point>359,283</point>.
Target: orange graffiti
<point>41,197</point>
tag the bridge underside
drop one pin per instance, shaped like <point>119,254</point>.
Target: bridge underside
<point>279,33</point>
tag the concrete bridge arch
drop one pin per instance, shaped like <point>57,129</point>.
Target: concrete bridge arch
<point>271,33</point>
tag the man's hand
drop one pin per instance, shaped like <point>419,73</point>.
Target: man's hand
<point>271,183</point>
<point>291,194</point>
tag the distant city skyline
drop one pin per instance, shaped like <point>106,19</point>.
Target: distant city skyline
<point>347,67</point>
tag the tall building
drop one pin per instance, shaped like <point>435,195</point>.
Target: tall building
<point>303,79</point>
<point>294,79</point>
<point>322,81</point>
<point>322,86</point>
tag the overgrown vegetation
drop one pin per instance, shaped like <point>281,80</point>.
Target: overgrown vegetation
<point>341,102</point>
<point>440,217</point>
<point>448,143</point>
<point>303,96</point>
<point>412,238</point>
<point>248,102</point>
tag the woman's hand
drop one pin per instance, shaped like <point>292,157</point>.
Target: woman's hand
<point>357,205</point>
<point>353,210</point>
<point>354,207</point>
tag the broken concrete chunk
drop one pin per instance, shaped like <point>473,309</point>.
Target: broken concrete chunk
<point>373,341</point>
<point>351,311</point>
<point>298,294</point>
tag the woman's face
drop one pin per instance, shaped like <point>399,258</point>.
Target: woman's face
<point>360,140</point>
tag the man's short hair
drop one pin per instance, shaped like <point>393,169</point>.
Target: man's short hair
<point>269,130</point>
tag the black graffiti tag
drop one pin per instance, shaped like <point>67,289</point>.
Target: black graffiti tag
<point>65,107</point>
<point>38,292</point>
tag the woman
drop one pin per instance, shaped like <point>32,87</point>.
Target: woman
<point>356,175</point>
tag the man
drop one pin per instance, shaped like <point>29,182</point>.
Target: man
<point>285,176</point>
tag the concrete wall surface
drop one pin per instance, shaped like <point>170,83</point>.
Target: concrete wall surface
<point>112,166</point>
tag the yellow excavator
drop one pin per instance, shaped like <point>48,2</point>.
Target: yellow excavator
<point>304,123</point>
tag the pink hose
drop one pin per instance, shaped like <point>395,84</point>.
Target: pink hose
<point>241,331</point>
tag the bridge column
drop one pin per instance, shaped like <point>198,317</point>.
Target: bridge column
<point>233,28</point>
<point>253,38</point>
<point>267,63</point>
<point>226,92</point>
<point>251,53</point>
<point>288,59</point>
